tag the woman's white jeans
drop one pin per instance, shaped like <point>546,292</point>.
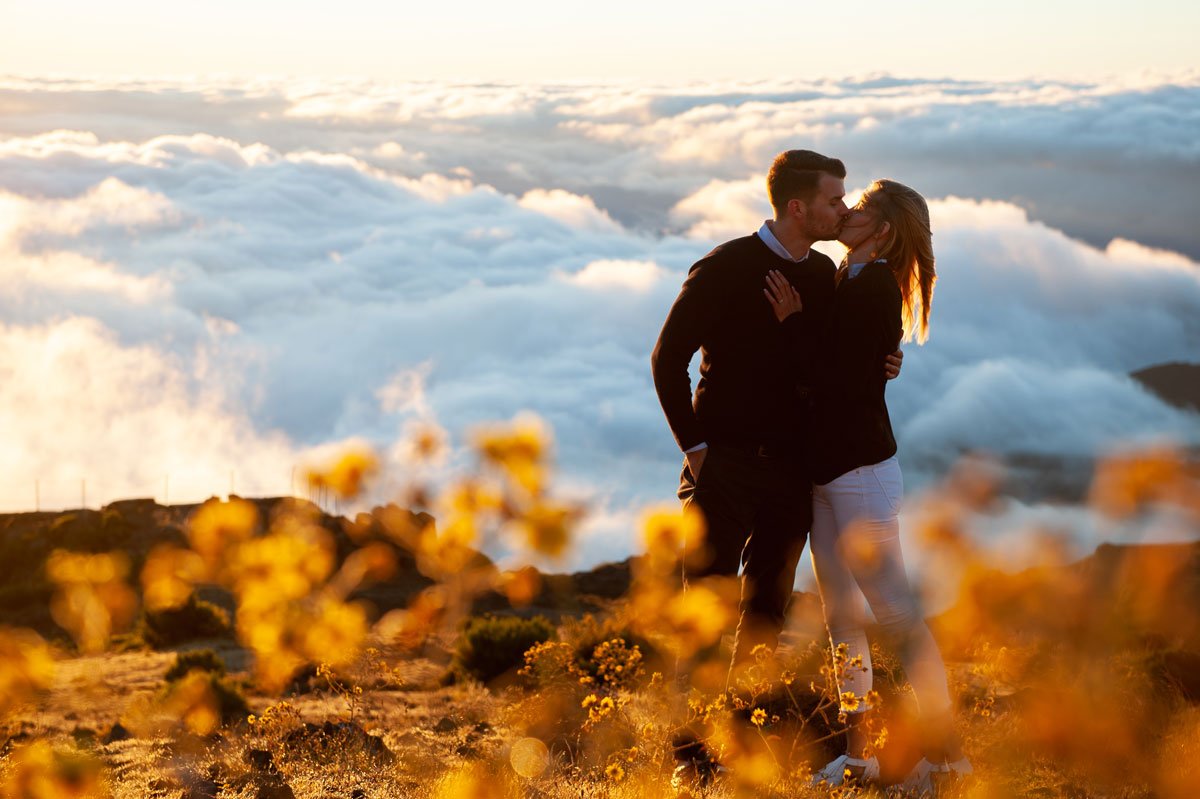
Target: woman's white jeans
<point>856,552</point>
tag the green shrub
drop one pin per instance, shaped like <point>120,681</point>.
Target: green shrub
<point>196,660</point>
<point>490,646</point>
<point>194,619</point>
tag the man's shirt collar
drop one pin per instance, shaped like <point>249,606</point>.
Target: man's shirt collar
<point>773,244</point>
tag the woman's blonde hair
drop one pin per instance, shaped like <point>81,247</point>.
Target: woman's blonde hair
<point>908,250</point>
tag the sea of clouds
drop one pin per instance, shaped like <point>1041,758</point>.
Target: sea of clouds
<point>204,282</point>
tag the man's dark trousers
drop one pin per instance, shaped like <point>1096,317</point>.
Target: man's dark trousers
<point>757,506</point>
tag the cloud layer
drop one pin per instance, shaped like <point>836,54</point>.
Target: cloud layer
<point>206,279</point>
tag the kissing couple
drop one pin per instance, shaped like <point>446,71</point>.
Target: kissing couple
<point>788,438</point>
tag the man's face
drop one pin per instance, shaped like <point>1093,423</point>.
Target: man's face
<point>825,214</point>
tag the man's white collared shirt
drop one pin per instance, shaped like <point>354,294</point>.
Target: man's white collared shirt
<point>773,244</point>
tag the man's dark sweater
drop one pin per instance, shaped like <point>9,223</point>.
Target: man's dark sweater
<point>755,373</point>
<point>852,427</point>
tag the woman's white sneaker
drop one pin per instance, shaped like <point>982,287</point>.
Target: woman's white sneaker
<point>926,779</point>
<point>845,770</point>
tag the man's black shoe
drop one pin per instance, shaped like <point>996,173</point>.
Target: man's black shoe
<point>696,767</point>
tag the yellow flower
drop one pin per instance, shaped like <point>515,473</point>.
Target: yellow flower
<point>471,498</point>
<point>426,442</point>
<point>758,717</point>
<point>615,772</point>
<point>168,576</point>
<point>39,771</point>
<point>345,472</point>
<point>26,667</point>
<point>670,534</point>
<point>699,615</point>
<point>1125,481</point>
<point>521,586</point>
<point>334,632</point>
<point>546,527</point>
<point>217,524</point>
<point>518,449</point>
<point>92,600</point>
<point>349,473</point>
<point>448,549</point>
<point>469,781</point>
<point>371,563</point>
<point>193,701</point>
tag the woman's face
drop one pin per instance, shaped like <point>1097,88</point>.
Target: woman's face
<point>858,227</point>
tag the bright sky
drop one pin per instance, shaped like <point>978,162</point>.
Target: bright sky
<point>653,40</point>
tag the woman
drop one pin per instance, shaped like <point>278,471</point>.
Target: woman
<point>884,289</point>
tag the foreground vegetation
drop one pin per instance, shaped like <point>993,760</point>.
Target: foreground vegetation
<point>263,649</point>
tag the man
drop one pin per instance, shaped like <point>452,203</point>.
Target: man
<point>743,434</point>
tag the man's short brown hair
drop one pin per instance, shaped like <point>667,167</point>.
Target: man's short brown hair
<point>794,176</point>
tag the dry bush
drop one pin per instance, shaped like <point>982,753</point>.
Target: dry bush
<point>490,647</point>
<point>204,660</point>
<point>194,620</point>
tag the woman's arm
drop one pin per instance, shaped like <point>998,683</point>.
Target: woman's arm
<point>866,330</point>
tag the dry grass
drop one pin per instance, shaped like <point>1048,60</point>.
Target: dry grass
<point>1072,680</point>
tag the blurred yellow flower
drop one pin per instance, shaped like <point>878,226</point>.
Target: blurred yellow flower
<point>348,472</point>
<point>425,442</point>
<point>471,498</point>
<point>39,771</point>
<point>193,702</point>
<point>217,524</point>
<point>370,563</point>
<point>546,527</point>
<point>280,567</point>
<point>26,667</point>
<point>518,449</point>
<point>169,575</point>
<point>447,549</point>
<point>671,534</point>
<point>82,567</point>
<point>699,615</point>
<point>335,632</point>
<point>469,781</point>
<point>1125,482</point>
<point>521,586</point>
<point>411,627</point>
<point>92,600</point>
